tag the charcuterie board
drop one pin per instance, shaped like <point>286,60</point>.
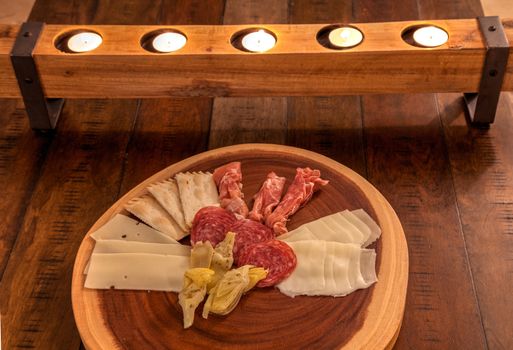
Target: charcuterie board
<point>265,318</point>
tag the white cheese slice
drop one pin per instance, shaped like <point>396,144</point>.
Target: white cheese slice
<point>331,228</point>
<point>121,227</point>
<point>374,228</point>
<point>341,268</point>
<point>308,276</point>
<point>109,246</point>
<point>301,233</point>
<point>137,271</point>
<point>368,266</point>
<point>197,190</point>
<point>359,224</point>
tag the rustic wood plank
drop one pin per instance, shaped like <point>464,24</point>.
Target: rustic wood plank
<point>482,169</point>
<point>241,120</point>
<point>80,178</point>
<point>329,125</point>
<point>169,130</point>
<point>21,152</point>
<point>407,162</point>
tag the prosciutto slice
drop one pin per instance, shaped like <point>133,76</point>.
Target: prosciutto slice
<point>267,197</point>
<point>305,183</point>
<point>228,179</point>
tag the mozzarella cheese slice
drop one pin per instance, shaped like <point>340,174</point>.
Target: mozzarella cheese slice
<point>345,267</point>
<point>302,233</point>
<point>374,228</point>
<point>121,227</point>
<point>359,224</point>
<point>331,228</point>
<point>308,278</point>
<point>137,271</point>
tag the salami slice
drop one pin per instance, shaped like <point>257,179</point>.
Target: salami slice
<point>211,224</point>
<point>248,232</point>
<point>274,256</point>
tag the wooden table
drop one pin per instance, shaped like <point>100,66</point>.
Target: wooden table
<point>451,186</point>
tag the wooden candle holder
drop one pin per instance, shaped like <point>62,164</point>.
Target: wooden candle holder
<point>298,65</point>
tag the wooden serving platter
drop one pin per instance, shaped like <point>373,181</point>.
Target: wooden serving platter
<point>265,318</point>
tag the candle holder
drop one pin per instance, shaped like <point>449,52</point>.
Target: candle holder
<point>148,41</point>
<point>238,40</point>
<point>215,62</point>
<point>63,41</point>
<point>409,35</point>
<point>324,36</point>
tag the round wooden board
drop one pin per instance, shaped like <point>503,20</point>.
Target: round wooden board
<point>265,318</point>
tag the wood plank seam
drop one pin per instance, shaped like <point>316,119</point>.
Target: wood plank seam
<point>457,204</point>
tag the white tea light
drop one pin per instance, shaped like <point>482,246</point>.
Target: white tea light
<point>169,42</point>
<point>430,36</point>
<point>345,37</point>
<point>84,42</point>
<point>259,41</point>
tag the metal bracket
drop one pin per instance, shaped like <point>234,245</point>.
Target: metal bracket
<point>482,106</point>
<point>43,113</point>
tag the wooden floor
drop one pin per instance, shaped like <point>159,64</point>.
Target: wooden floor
<point>451,186</point>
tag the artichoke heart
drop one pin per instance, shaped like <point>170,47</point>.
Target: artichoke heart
<point>201,254</point>
<point>222,259</point>
<point>256,274</point>
<point>193,292</point>
<point>225,295</point>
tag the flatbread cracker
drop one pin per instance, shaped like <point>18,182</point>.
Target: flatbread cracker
<point>147,209</point>
<point>167,194</point>
<point>197,190</point>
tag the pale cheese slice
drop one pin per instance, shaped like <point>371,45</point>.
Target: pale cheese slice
<point>340,269</point>
<point>330,228</point>
<point>368,266</point>
<point>121,227</point>
<point>137,271</point>
<point>308,276</point>
<point>359,224</point>
<point>374,228</point>
<point>302,233</point>
<point>167,194</point>
<point>151,212</point>
<point>108,246</point>
<point>197,190</point>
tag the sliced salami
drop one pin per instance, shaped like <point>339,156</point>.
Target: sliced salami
<point>248,232</point>
<point>274,256</point>
<point>211,224</point>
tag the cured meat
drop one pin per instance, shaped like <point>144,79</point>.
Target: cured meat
<point>274,256</point>
<point>211,224</point>
<point>228,179</point>
<point>248,232</point>
<point>305,183</point>
<point>267,197</point>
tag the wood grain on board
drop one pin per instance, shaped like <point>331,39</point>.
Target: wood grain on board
<point>168,130</point>
<point>265,318</point>
<point>79,178</point>
<point>407,161</point>
<point>262,119</point>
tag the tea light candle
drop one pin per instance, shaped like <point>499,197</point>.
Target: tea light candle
<point>259,41</point>
<point>84,42</point>
<point>169,42</point>
<point>430,36</point>
<point>345,37</point>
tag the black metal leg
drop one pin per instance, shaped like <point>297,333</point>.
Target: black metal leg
<point>43,113</point>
